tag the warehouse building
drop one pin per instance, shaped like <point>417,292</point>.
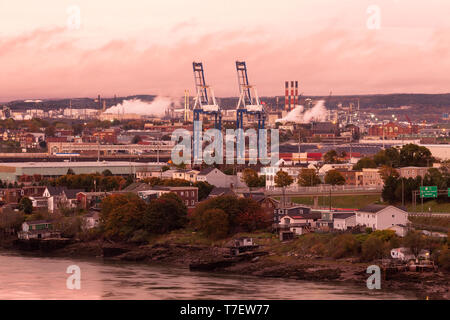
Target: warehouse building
<point>11,172</point>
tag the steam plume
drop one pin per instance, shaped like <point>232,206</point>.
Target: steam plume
<point>157,107</point>
<point>298,115</point>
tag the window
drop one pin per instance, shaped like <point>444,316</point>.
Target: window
<point>187,202</point>
<point>393,216</point>
<point>193,193</point>
<point>192,202</point>
<point>182,193</point>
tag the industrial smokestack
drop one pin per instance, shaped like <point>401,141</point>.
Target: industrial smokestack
<point>296,94</point>
<point>286,96</point>
<point>291,97</point>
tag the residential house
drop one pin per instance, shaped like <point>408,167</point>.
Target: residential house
<point>381,217</point>
<point>217,192</point>
<point>38,229</point>
<point>334,166</point>
<point>412,172</point>
<point>344,221</point>
<point>372,178</point>
<point>295,224</point>
<point>33,191</point>
<point>217,178</point>
<point>189,175</point>
<point>87,200</point>
<point>293,211</point>
<point>352,177</point>
<point>91,219</point>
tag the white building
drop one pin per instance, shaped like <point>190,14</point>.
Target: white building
<point>343,221</point>
<point>217,178</point>
<point>334,166</point>
<point>381,217</point>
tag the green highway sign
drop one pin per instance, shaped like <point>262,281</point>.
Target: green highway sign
<point>448,190</point>
<point>428,192</point>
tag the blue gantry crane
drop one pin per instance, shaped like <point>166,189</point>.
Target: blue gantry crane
<point>205,101</point>
<point>249,102</point>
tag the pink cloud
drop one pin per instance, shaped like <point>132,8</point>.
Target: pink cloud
<point>49,63</point>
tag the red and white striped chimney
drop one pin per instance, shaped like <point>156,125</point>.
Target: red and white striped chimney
<point>286,95</point>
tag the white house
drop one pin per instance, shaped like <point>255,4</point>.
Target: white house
<point>343,221</point>
<point>296,224</point>
<point>404,254</point>
<point>217,178</point>
<point>91,220</point>
<point>381,217</point>
<point>333,166</point>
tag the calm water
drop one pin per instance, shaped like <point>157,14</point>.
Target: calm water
<point>23,277</point>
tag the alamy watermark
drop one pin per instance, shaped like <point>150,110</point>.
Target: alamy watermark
<point>74,280</point>
<point>208,146</point>
<point>374,281</point>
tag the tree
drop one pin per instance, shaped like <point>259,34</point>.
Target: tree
<point>308,178</point>
<point>214,224</point>
<point>107,173</point>
<point>414,155</point>
<point>331,157</point>
<point>26,205</point>
<point>387,171</point>
<point>70,171</point>
<point>334,177</point>
<point>165,214</point>
<point>365,163</point>
<point>242,214</point>
<point>204,189</point>
<point>372,248</point>
<point>250,178</point>
<point>282,180</point>
<point>389,189</point>
<point>136,139</point>
<point>415,241</point>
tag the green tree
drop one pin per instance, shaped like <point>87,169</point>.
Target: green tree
<point>26,205</point>
<point>415,241</point>
<point>107,173</point>
<point>334,177</point>
<point>414,155</point>
<point>372,248</point>
<point>250,178</point>
<point>389,193</point>
<point>387,171</point>
<point>204,189</point>
<point>214,224</point>
<point>331,157</point>
<point>308,178</point>
<point>70,172</point>
<point>165,214</point>
<point>282,180</point>
<point>365,163</point>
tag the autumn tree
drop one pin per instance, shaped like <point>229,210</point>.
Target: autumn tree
<point>282,180</point>
<point>251,179</point>
<point>334,177</point>
<point>308,178</point>
<point>331,157</point>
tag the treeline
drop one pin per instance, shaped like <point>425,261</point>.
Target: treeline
<point>408,155</point>
<point>126,217</point>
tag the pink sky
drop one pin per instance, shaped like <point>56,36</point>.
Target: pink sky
<point>147,47</point>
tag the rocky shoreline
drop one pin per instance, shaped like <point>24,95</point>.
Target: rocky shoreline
<point>426,285</point>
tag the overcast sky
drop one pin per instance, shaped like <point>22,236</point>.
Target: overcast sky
<point>147,47</point>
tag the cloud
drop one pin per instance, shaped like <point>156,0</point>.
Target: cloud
<point>53,63</point>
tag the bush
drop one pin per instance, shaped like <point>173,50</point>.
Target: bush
<point>344,245</point>
<point>372,249</point>
<point>214,224</point>
<point>444,259</point>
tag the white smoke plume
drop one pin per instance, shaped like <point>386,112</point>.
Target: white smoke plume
<point>156,108</point>
<point>298,115</point>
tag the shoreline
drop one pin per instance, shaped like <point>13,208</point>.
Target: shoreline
<point>426,285</point>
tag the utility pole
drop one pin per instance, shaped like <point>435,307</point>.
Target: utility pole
<point>403,192</point>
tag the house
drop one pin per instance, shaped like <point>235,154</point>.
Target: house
<point>39,203</point>
<point>295,224</point>
<point>334,166</point>
<point>189,175</point>
<point>344,221</point>
<point>404,254</point>
<point>381,217</point>
<point>296,210</point>
<point>352,177</point>
<point>217,192</point>
<point>38,229</point>
<point>217,178</point>
<point>11,195</point>
<point>87,200</point>
<point>372,178</point>
<point>61,197</point>
<point>400,230</point>
<point>241,245</point>
<point>412,172</point>
<point>91,219</point>
<point>33,191</point>
<point>189,195</point>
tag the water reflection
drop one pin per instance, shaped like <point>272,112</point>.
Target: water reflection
<point>23,277</point>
